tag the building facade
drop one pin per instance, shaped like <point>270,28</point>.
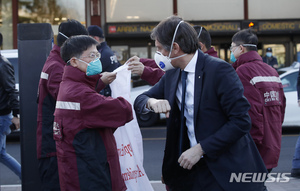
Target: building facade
<point>128,23</point>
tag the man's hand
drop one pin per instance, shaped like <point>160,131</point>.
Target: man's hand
<point>190,157</point>
<point>136,67</point>
<point>108,77</point>
<point>16,121</point>
<point>133,59</point>
<point>159,106</point>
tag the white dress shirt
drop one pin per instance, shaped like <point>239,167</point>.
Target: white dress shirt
<point>189,98</point>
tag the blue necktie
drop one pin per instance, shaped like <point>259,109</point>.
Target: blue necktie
<point>182,125</point>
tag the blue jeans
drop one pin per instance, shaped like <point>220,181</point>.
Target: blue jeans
<point>296,158</point>
<point>5,158</point>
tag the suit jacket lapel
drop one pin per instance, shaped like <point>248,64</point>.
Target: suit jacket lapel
<point>198,84</point>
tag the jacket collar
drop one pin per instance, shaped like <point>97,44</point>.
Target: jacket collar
<point>212,52</point>
<point>250,56</point>
<point>76,75</point>
<point>101,45</point>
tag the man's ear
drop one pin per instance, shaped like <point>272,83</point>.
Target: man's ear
<point>176,48</point>
<point>73,62</point>
<point>202,46</point>
<point>244,49</point>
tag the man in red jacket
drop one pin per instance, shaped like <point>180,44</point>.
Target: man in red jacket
<point>85,122</point>
<point>51,77</point>
<point>264,91</point>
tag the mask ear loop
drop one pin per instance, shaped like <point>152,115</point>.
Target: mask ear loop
<point>63,35</point>
<point>174,37</point>
<point>253,45</point>
<point>199,32</point>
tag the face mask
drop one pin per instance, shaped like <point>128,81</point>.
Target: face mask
<point>269,54</point>
<point>232,58</point>
<point>93,68</point>
<point>164,62</point>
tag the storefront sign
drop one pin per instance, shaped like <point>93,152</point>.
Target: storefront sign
<point>129,29</point>
<point>146,29</point>
<point>121,29</point>
<point>284,26</point>
<point>221,27</point>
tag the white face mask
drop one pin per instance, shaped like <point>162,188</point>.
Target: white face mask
<point>164,62</point>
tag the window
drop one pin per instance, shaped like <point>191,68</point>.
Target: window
<point>278,51</point>
<point>6,23</point>
<point>53,12</point>
<point>289,82</point>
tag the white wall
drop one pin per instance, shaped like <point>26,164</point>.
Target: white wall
<point>207,10</point>
<point>211,9</point>
<point>274,9</point>
<point>138,10</point>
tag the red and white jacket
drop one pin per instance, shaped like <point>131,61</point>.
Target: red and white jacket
<point>264,91</point>
<point>83,129</point>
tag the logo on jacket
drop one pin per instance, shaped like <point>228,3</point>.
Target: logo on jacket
<point>56,131</point>
<point>271,96</point>
<point>114,59</point>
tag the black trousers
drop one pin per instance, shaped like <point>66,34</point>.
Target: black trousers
<point>48,171</point>
<point>200,179</point>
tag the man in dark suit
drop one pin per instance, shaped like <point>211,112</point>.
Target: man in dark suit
<point>215,149</point>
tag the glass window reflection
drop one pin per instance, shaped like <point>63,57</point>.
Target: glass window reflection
<point>6,23</point>
<point>53,12</point>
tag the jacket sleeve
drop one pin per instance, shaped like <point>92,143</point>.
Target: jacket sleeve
<point>229,93</point>
<point>8,82</point>
<point>256,110</point>
<point>106,112</point>
<point>157,91</point>
<point>152,73</point>
<point>149,62</point>
<point>100,85</point>
<point>54,79</point>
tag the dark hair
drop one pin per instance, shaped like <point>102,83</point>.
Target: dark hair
<point>204,36</point>
<point>75,46</point>
<point>186,36</point>
<point>245,36</point>
<point>70,28</point>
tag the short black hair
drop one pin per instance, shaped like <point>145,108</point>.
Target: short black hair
<point>186,36</point>
<point>75,46</point>
<point>70,28</point>
<point>204,36</point>
<point>246,36</point>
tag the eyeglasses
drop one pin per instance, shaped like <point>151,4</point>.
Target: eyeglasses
<point>93,56</point>
<point>231,47</point>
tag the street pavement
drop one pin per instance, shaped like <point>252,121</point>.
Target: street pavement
<point>292,185</point>
<point>152,144</point>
